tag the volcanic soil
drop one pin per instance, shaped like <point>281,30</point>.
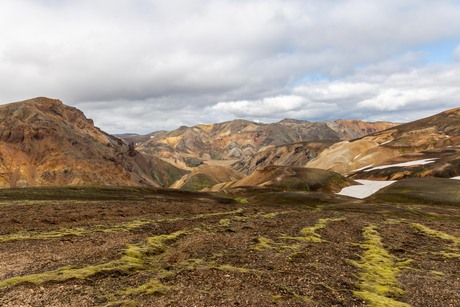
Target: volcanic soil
<point>154,247</point>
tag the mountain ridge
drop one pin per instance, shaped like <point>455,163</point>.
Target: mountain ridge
<point>44,142</point>
<point>239,139</point>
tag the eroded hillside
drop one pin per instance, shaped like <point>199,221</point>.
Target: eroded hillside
<point>44,142</point>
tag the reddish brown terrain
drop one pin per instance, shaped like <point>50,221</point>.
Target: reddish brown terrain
<point>434,136</point>
<point>240,139</point>
<point>44,142</point>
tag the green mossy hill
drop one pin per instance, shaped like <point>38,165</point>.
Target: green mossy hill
<point>198,182</point>
<point>95,193</point>
<point>438,191</point>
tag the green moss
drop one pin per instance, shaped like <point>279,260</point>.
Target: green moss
<point>379,271</point>
<point>217,214</point>
<point>436,234</point>
<point>277,298</point>
<point>191,264</point>
<point>264,243</point>
<point>231,268</point>
<point>452,251</point>
<point>438,273</point>
<point>133,258</point>
<point>270,215</point>
<point>129,303</point>
<point>122,227</point>
<point>198,182</point>
<point>309,233</point>
<point>449,255</point>
<point>302,298</point>
<point>154,286</point>
<point>242,200</point>
<point>224,223</point>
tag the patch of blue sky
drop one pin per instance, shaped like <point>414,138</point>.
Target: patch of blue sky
<point>313,77</point>
<point>440,52</point>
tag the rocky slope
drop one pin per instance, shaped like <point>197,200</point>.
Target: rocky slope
<point>239,139</point>
<point>286,178</point>
<point>206,176</point>
<point>431,137</point>
<point>297,154</point>
<point>44,142</point>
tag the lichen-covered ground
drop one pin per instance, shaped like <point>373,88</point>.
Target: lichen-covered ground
<point>140,247</point>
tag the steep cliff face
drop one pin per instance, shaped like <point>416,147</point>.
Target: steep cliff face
<point>44,142</point>
<point>239,139</point>
<point>415,140</point>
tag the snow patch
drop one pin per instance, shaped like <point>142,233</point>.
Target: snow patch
<point>417,162</point>
<point>367,188</point>
<point>456,178</point>
<point>360,169</point>
<point>386,142</point>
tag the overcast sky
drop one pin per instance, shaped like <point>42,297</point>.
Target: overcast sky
<point>145,65</point>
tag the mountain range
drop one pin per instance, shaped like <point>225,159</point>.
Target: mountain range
<point>186,147</point>
<point>43,142</point>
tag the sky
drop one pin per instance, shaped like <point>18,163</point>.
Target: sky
<point>146,65</point>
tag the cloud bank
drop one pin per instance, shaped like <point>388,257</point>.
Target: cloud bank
<point>146,65</point>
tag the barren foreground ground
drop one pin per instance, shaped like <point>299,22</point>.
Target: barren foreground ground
<point>141,247</point>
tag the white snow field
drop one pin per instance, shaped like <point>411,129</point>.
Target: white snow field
<point>367,188</point>
<point>416,162</point>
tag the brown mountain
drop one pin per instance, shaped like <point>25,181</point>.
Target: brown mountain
<point>433,137</point>
<point>297,154</point>
<point>44,142</point>
<point>286,178</point>
<point>206,176</point>
<point>238,139</point>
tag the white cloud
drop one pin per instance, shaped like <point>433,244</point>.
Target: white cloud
<point>173,59</point>
<point>400,97</point>
<point>457,53</point>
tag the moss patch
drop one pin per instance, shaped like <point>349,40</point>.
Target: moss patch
<point>436,234</point>
<point>379,272</point>
<point>309,233</point>
<point>133,258</point>
<point>122,227</point>
<point>154,286</point>
<point>452,251</point>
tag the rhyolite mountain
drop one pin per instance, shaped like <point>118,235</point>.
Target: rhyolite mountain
<point>287,178</point>
<point>296,154</point>
<point>436,137</point>
<point>46,143</point>
<point>186,146</point>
